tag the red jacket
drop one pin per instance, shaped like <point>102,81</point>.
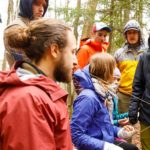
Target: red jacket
<point>33,114</point>
<point>90,48</point>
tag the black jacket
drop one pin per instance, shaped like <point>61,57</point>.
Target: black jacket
<point>141,90</point>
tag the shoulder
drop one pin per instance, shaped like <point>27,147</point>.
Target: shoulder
<point>120,50</point>
<point>33,97</point>
<point>85,48</point>
<point>88,97</point>
<point>19,21</point>
<point>86,103</point>
<point>89,93</point>
<point>33,92</point>
<point>143,47</point>
<point>27,96</point>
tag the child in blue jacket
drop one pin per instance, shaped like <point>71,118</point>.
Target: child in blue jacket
<point>91,125</point>
<point>118,119</point>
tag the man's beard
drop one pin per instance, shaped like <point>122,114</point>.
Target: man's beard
<point>61,73</point>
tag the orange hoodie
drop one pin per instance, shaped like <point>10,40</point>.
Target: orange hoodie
<point>90,48</point>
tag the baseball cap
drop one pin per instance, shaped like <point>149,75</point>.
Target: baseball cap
<point>101,26</point>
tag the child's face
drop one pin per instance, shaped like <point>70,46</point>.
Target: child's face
<point>116,80</point>
<point>115,83</point>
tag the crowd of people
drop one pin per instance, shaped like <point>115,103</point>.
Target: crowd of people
<point>112,91</point>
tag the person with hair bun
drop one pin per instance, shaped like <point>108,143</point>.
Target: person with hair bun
<point>33,111</point>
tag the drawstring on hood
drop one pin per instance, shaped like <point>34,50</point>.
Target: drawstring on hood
<point>25,8</point>
<point>149,42</point>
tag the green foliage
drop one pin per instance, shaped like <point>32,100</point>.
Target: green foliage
<point>114,12</point>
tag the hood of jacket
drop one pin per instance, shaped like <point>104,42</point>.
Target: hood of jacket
<point>11,79</point>
<point>84,78</point>
<point>25,8</point>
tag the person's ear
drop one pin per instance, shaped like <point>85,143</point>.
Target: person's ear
<point>93,34</point>
<point>54,50</point>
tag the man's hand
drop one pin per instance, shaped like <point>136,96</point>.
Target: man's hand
<point>133,120</point>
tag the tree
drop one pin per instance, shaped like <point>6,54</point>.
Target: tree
<point>10,11</point>
<point>89,17</point>
<point>77,17</point>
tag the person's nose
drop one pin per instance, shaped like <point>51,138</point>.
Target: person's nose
<point>103,38</point>
<point>41,8</point>
<point>75,62</point>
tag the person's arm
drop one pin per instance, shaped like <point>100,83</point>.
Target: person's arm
<point>83,57</point>
<point>85,107</point>
<point>119,119</point>
<point>84,110</point>
<point>137,93</point>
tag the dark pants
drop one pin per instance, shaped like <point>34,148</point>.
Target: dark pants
<point>145,136</point>
<point>125,145</point>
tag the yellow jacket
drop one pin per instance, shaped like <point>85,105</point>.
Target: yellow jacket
<point>127,60</point>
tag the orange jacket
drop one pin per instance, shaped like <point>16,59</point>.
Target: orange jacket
<point>90,48</point>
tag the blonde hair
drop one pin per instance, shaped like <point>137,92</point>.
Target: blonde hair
<point>102,66</point>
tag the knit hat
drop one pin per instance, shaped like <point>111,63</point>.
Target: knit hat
<point>101,26</point>
<point>117,73</point>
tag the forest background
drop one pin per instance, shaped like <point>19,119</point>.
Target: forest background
<point>81,14</point>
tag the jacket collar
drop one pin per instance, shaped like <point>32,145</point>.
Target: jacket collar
<point>97,46</point>
<point>11,79</point>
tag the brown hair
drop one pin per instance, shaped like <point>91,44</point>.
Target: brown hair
<point>35,39</point>
<point>102,65</point>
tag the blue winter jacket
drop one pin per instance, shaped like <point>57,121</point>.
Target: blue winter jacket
<point>90,125</point>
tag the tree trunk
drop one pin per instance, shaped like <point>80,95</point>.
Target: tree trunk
<point>16,9</point>
<point>10,12</point>
<point>111,24</point>
<point>4,64</point>
<point>139,12</point>
<point>66,15</point>
<point>89,18</point>
<point>76,22</point>
<point>126,11</point>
